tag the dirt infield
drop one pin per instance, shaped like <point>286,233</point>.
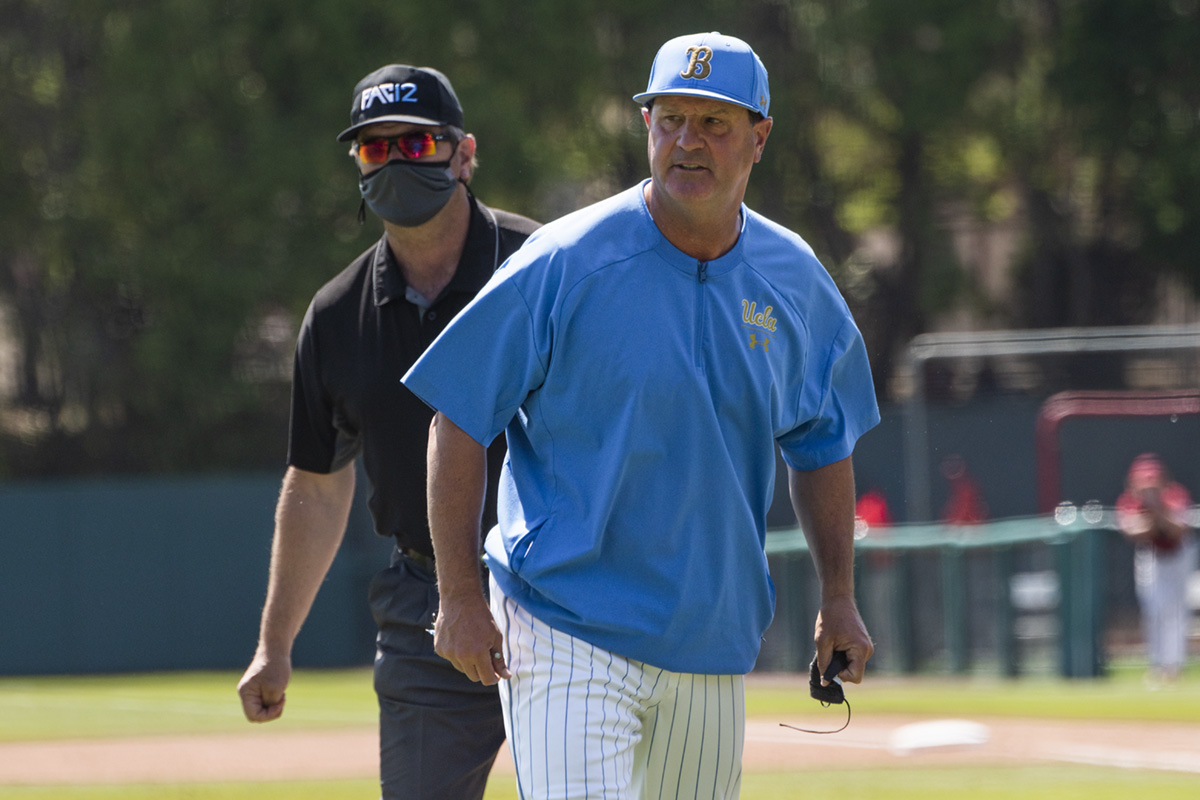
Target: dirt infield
<point>872,740</point>
<point>261,754</point>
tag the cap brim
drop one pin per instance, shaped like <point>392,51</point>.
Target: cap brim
<point>353,129</point>
<point>644,96</point>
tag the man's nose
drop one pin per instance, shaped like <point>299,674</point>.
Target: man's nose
<point>690,137</point>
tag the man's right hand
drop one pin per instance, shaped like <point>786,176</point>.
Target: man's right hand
<point>466,635</point>
<point>262,688</point>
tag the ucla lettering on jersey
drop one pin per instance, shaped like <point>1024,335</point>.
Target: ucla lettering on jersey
<point>763,319</point>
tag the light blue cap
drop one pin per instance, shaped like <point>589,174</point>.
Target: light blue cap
<point>710,65</point>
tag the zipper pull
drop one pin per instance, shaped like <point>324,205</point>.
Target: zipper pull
<point>702,271</point>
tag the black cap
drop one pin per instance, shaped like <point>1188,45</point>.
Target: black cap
<point>400,93</point>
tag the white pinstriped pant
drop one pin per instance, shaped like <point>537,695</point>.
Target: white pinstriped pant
<point>585,723</point>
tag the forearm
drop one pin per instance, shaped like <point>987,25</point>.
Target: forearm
<point>310,523</point>
<point>823,500</point>
<point>457,478</point>
<point>465,633</point>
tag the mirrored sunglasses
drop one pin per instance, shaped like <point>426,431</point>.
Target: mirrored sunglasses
<point>411,145</point>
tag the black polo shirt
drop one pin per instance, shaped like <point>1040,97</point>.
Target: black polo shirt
<point>360,335</point>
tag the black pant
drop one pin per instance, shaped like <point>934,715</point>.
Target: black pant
<point>438,731</point>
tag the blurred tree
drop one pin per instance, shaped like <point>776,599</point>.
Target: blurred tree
<point>173,193</point>
<point>169,204</point>
<point>873,92</point>
<point>1109,158</point>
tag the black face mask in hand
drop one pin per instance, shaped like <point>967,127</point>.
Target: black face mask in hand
<point>408,193</point>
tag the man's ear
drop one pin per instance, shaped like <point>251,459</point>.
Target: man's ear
<point>762,129</point>
<point>464,158</point>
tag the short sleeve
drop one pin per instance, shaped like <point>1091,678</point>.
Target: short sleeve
<point>847,410</point>
<point>481,368</point>
<point>315,442</point>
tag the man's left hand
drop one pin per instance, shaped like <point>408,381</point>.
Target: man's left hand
<point>840,627</point>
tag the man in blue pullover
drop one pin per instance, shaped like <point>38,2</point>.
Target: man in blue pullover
<point>644,356</point>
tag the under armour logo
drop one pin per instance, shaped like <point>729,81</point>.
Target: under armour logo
<point>698,62</point>
<point>766,341</point>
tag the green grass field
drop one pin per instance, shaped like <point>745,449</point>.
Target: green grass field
<point>1033,783</point>
<point>186,703</point>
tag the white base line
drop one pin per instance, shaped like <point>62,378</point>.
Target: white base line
<point>1128,759</point>
<point>1093,755</point>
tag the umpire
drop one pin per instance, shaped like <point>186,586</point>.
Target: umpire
<point>438,731</point>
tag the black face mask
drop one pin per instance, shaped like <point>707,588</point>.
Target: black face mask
<point>408,193</point>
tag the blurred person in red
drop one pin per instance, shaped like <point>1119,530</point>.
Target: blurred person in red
<point>1154,512</point>
<point>965,505</point>
<point>872,517</point>
<point>871,512</point>
<point>872,509</point>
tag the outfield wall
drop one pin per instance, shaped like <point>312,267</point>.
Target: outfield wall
<point>153,574</point>
<point>170,573</point>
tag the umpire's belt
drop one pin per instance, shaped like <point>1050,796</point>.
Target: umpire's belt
<point>420,559</point>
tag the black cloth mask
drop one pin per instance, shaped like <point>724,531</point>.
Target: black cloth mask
<point>408,193</point>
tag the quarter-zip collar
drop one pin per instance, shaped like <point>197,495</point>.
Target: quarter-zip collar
<point>689,264</point>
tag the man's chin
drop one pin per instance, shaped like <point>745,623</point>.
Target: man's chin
<point>690,185</point>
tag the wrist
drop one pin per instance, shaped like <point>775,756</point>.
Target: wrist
<point>465,595</point>
<point>838,593</point>
<point>274,648</point>
<point>460,581</point>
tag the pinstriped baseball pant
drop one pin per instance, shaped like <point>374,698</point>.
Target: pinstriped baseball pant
<point>583,722</point>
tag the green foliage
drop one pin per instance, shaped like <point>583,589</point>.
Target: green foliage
<point>1143,129</point>
<point>173,194</point>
